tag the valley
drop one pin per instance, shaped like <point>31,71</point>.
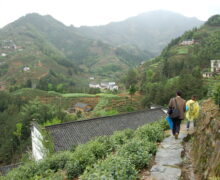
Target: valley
<point>53,75</point>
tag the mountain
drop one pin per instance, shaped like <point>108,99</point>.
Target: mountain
<point>41,51</point>
<point>181,64</point>
<point>49,48</point>
<point>149,31</point>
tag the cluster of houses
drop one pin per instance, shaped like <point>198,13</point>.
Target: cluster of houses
<point>187,42</point>
<point>104,85</point>
<point>215,69</point>
<point>9,45</point>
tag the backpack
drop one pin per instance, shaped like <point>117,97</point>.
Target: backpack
<point>174,112</point>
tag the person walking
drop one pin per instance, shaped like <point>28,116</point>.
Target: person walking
<point>177,108</point>
<point>192,111</point>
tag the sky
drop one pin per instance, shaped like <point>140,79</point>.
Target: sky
<point>101,12</point>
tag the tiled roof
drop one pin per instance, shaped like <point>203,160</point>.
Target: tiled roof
<point>81,105</point>
<point>72,133</point>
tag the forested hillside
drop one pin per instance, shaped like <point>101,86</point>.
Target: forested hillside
<point>57,57</point>
<point>150,31</point>
<point>39,51</point>
<point>180,66</point>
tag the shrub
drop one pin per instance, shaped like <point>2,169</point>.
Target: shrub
<point>55,162</point>
<point>216,94</point>
<point>136,152</point>
<point>114,167</point>
<point>152,132</point>
<point>49,175</point>
<point>78,162</point>
<point>121,137</point>
<point>24,172</point>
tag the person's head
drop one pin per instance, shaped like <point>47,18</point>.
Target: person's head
<point>193,98</point>
<point>179,93</point>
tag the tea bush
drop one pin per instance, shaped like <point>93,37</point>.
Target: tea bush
<point>114,167</point>
<point>136,152</point>
<point>131,150</point>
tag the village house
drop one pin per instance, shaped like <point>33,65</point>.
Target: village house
<point>104,85</point>
<point>66,135</point>
<point>82,107</point>
<point>215,66</point>
<point>187,42</point>
<point>94,85</point>
<point>113,87</point>
<point>26,68</point>
<point>207,74</point>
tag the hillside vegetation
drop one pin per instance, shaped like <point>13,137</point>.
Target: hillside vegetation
<point>149,31</point>
<point>57,56</point>
<point>120,156</point>
<point>62,58</point>
<point>179,67</point>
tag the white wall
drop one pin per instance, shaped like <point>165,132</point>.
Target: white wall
<point>38,150</point>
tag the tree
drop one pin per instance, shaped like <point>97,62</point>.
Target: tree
<point>28,83</point>
<point>132,91</point>
<point>17,133</point>
<point>130,78</point>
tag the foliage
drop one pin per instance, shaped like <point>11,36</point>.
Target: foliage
<point>94,90</point>
<point>10,126</point>
<point>131,151</point>
<point>114,167</point>
<point>52,122</point>
<point>136,152</point>
<point>214,20</point>
<point>216,94</point>
<point>153,133</point>
<point>130,78</point>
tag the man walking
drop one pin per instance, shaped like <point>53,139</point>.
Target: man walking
<point>177,104</point>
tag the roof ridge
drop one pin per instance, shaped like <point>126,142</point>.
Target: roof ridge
<point>103,117</point>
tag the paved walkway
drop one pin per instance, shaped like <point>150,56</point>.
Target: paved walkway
<point>168,158</point>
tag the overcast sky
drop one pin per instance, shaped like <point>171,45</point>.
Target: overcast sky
<point>100,12</point>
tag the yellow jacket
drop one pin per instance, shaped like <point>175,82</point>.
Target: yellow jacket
<point>193,110</point>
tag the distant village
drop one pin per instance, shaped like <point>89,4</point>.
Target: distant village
<point>8,46</point>
<point>103,85</point>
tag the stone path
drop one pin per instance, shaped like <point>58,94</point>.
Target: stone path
<point>168,159</point>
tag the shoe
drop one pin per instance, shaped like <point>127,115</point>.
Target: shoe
<point>176,136</point>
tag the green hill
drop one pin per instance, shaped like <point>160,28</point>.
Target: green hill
<point>180,66</point>
<point>60,57</point>
<point>57,54</point>
<point>149,31</point>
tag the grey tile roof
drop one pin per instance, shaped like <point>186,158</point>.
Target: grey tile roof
<point>81,105</point>
<point>68,134</point>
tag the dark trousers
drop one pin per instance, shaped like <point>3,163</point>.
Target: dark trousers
<point>176,125</point>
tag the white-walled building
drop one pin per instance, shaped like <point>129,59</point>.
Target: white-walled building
<point>94,85</point>
<point>26,68</point>
<point>187,42</point>
<point>215,65</point>
<point>38,149</point>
